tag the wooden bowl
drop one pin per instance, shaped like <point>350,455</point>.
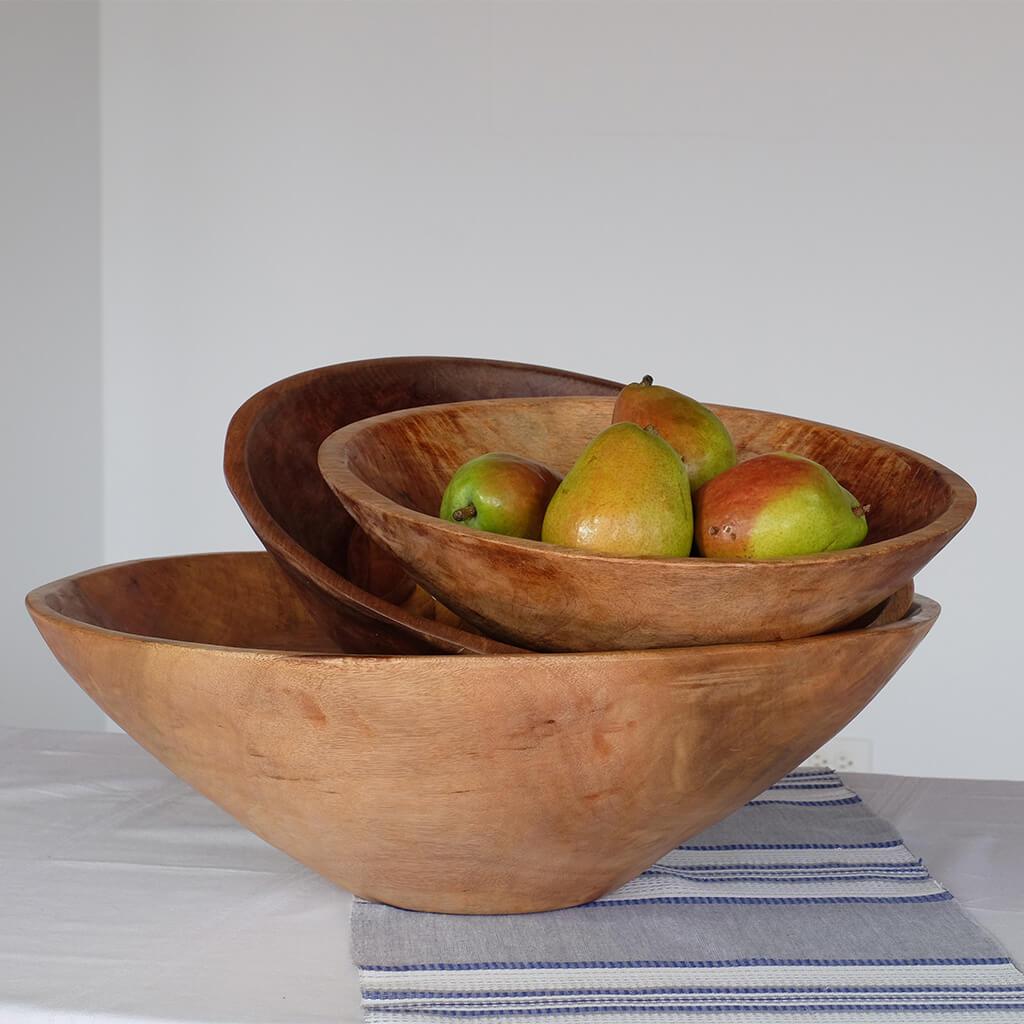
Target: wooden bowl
<point>390,472</point>
<point>270,466</point>
<point>488,784</point>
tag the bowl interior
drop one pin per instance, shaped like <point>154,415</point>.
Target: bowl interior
<point>409,457</point>
<point>228,600</point>
<point>237,599</point>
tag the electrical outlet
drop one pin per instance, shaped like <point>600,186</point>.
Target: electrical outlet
<point>843,754</point>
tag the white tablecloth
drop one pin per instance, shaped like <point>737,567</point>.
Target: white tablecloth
<point>126,897</point>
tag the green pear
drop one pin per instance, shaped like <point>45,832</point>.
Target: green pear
<point>777,506</point>
<point>692,429</point>
<point>628,494</point>
<point>500,493</point>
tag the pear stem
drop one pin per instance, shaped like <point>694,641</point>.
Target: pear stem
<point>647,380</point>
<point>466,512</point>
<point>861,510</point>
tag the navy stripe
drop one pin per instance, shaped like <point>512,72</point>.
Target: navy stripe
<point>906,867</point>
<point>935,897</point>
<point>709,1008</point>
<point>920,875</point>
<point>806,785</point>
<point>544,965</point>
<point>383,994</point>
<point>886,844</point>
<point>916,865</point>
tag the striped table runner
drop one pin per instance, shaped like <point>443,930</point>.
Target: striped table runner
<point>802,906</point>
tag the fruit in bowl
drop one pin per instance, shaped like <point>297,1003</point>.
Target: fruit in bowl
<point>553,597</point>
<point>777,506</point>
<point>629,493</point>
<point>700,437</point>
<point>500,493</point>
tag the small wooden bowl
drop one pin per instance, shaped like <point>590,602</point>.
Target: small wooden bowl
<point>390,472</point>
<point>270,467</point>
<point>484,785</point>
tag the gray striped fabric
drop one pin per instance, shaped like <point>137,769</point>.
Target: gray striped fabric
<point>802,906</point>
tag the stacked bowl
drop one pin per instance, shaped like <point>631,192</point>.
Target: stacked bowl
<point>453,721</point>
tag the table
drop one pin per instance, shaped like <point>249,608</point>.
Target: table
<point>126,897</point>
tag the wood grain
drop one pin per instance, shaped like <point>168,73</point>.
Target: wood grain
<point>491,784</point>
<point>271,469</point>
<point>389,472</point>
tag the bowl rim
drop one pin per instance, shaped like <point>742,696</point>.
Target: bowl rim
<point>278,542</point>
<point>922,610</point>
<point>334,452</point>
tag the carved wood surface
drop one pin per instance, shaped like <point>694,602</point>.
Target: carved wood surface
<point>490,784</point>
<point>271,469</point>
<point>390,471</point>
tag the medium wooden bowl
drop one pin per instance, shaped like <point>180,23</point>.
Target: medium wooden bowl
<point>490,784</point>
<point>390,472</point>
<point>270,466</point>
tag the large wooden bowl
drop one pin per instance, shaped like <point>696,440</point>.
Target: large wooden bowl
<point>270,466</point>
<point>390,472</point>
<point>489,784</point>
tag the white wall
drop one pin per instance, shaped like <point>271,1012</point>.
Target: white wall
<point>809,208</point>
<point>51,491</point>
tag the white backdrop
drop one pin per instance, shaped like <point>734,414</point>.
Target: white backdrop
<point>809,208</point>
<point>51,480</point>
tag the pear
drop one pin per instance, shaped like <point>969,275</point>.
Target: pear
<point>776,506</point>
<point>692,429</point>
<point>628,494</point>
<point>500,493</point>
